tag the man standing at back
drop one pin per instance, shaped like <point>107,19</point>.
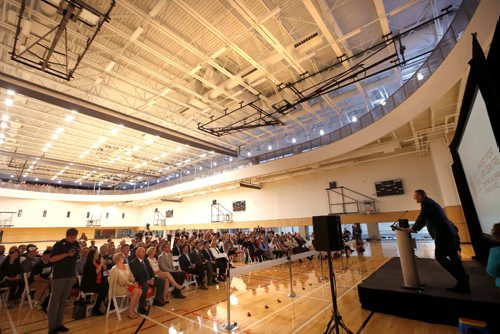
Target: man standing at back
<point>63,258</point>
<point>445,235</point>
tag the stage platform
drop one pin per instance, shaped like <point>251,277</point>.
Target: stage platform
<point>383,292</point>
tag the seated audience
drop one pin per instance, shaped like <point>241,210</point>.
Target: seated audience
<point>2,253</point>
<point>193,266</point>
<point>166,263</point>
<point>493,267</point>
<point>122,282</point>
<point>40,280</point>
<point>92,280</point>
<point>30,259</point>
<point>169,279</point>
<point>80,263</point>
<point>10,276</point>
<point>144,275</point>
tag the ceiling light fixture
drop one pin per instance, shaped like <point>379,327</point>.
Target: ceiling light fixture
<point>294,140</point>
<point>420,76</point>
<point>5,117</point>
<point>354,119</point>
<point>9,102</point>
<point>69,118</point>
<point>60,130</point>
<point>11,92</point>
<point>110,66</point>
<point>3,125</point>
<point>321,132</point>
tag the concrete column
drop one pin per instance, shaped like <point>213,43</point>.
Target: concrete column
<point>442,161</point>
<point>373,231</point>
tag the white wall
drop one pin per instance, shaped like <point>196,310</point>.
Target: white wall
<point>305,196</point>
<point>296,197</point>
<point>32,213</point>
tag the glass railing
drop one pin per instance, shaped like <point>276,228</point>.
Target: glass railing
<point>428,67</point>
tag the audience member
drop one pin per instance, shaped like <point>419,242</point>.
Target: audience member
<point>30,259</point>
<point>166,264</point>
<point>10,276</point>
<point>193,266</point>
<point>63,257</point>
<point>122,282</point>
<point>93,281</point>
<point>40,280</point>
<point>144,275</point>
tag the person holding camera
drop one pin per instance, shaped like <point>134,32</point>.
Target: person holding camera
<point>63,258</point>
<point>93,279</point>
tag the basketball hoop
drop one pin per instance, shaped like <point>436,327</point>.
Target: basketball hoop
<point>368,210</point>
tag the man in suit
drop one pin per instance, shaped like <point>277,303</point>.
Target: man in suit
<point>445,235</point>
<point>192,264</point>
<point>144,275</point>
<point>219,264</point>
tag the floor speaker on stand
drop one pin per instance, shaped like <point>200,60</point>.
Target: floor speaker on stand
<point>327,233</point>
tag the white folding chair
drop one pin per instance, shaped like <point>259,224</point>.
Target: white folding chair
<point>27,291</point>
<point>3,300</point>
<point>118,308</point>
<point>84,295</point>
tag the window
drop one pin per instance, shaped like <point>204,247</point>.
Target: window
<point>123,215</point>
<point>19,212</point>
<point>44,213</point>
<point>88,215</point>
<point>68,214</point>
<point>107,215</point>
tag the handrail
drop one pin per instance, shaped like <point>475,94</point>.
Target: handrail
<point>428,67</point>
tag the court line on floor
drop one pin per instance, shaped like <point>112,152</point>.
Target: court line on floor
<point>329,304</point>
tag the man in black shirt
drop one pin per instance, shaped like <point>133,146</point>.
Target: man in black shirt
<point>63,258</point>
<point>40,277</point>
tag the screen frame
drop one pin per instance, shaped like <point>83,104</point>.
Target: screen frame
<point>481,77</point>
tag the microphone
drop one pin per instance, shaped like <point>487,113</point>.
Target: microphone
<point>393,226</point>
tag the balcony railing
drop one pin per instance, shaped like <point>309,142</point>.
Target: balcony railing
<point>428,67</point>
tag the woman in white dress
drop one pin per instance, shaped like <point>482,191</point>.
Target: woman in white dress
<point>122,282</point>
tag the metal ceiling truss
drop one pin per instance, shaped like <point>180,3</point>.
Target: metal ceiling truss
<point>41,54</point>
<point>358,70</point>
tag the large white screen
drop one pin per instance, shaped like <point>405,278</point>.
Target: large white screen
<point>480,159</point>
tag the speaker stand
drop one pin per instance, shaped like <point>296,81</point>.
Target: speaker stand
<point>336,321</point>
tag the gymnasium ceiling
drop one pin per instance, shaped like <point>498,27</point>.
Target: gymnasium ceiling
<point>176,65</point>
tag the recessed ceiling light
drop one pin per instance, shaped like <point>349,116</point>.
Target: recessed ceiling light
<point>269,147</point>
<point>420,76</point>
<point>2,135</point>
<point>201,168</point>
<point>5,117</point>
<point>354,119</point>
<point>294,140</point>
<point>69,118</point>
<point>215,163</point>
<point>11,92</point>
<point>4,125</point>
<point>188,172</point>
<point>249,153</point>
<point>114,131</point>
<point>9,102</point>
<point>60,130</point>
<point>59,181</point>
<point>55,136</point>
<point>321,132</point>
<point>12,176</point>
<point>36,179</point>
<point>230,159</point>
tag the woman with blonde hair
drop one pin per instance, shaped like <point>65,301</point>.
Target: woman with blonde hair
<point>122,282</point>
<point>169,279</point>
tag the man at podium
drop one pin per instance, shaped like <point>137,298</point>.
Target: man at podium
<point>445,235</point>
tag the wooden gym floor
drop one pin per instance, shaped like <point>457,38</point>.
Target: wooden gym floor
<point>259,303</point>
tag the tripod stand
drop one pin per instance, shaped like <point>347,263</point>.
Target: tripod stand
<point>336,321</point>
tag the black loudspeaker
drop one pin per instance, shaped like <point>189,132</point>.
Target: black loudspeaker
<point>327,233</point>
<point>333,184</point>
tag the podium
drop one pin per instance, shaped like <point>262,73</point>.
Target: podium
<point>406,246</point>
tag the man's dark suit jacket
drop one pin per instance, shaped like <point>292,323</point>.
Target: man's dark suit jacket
<point>196,258</point>
<point>184,262</point>
<point>140,274</point>
<point>434,217</point>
